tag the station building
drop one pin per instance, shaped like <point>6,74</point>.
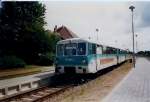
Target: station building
<point>64,32</point>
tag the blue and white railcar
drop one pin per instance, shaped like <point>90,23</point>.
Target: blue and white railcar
<point>81,56</point>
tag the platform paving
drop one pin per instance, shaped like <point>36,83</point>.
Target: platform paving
<point>135,87</point>
<point>24,79</point>
<point>11,86</point>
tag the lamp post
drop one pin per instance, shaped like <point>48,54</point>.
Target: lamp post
<point>136,43</point>
<point>97,30</point>
<point>132,8</point>
<point>0,4</point>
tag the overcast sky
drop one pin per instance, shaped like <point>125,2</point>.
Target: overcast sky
<point>113,19</point>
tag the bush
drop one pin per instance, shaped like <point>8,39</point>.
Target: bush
<point>11,62</point>
<point>46,59</point>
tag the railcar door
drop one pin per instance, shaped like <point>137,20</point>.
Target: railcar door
<point>94,48</point>
<point>98,56</point>
<point>92,58</point>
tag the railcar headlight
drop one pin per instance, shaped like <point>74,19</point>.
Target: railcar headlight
<point>83,61</point>
<point>56,61</point>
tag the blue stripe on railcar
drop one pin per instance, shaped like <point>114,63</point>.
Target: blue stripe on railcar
<point>72,60</point>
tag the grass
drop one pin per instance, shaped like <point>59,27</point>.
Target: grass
<point>17,72</point>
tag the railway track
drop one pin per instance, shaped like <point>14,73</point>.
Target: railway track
<point>37,95</point>
<point>43,93</point>
<point>47,93</point>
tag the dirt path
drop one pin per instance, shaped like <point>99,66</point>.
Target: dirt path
<point>96,90</point>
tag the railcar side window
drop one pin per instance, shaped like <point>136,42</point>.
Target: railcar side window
<point>60,49</point>
<point>109,50</point>
<point>118,51</point>
<point>70,49</point>
<point>121,52</point>
<point>91,48</point>
<point>104,50</point>
<point>114,51</point>
<point>81,48</point>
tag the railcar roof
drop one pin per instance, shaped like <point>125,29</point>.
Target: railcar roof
<point>83,40</point>
<point>76,40</point>
<point>71,39</point>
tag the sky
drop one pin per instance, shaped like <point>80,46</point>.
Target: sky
<point>113,19</point>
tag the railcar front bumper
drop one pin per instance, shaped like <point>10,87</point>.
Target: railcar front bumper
<point>71,69</point>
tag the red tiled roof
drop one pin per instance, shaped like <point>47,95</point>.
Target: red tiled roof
<point>65,33</point>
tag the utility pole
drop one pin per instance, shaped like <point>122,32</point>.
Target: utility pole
<point>132,8</point>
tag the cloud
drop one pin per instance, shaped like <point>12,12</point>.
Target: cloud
<point>113,19</point>
<point>142,14</point>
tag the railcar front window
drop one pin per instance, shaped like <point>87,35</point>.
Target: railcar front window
<point>81,48</point>
<point>70,49</point>
<point>60,49</point>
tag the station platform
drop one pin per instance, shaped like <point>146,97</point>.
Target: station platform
<point>135,87</point>
<point>14,85</point>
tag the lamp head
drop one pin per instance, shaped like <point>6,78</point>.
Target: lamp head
<point>97,29</point>
<point>131,7</point>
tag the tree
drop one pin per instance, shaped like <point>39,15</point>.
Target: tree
<point>48,57</point>
<point>144,53</point>
<point>22,30</point>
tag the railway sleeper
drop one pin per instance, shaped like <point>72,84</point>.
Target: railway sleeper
<point>35,96</point>
<point>26,99</point>
<point>42,93</point>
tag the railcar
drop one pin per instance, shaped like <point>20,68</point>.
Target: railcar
<point>81,56</point>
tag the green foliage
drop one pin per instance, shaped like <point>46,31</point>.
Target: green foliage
<point>46,59</point>
<point>53,38</point>
<point>22,32</point>
<point>11,62</point>
<point>144,53</point>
